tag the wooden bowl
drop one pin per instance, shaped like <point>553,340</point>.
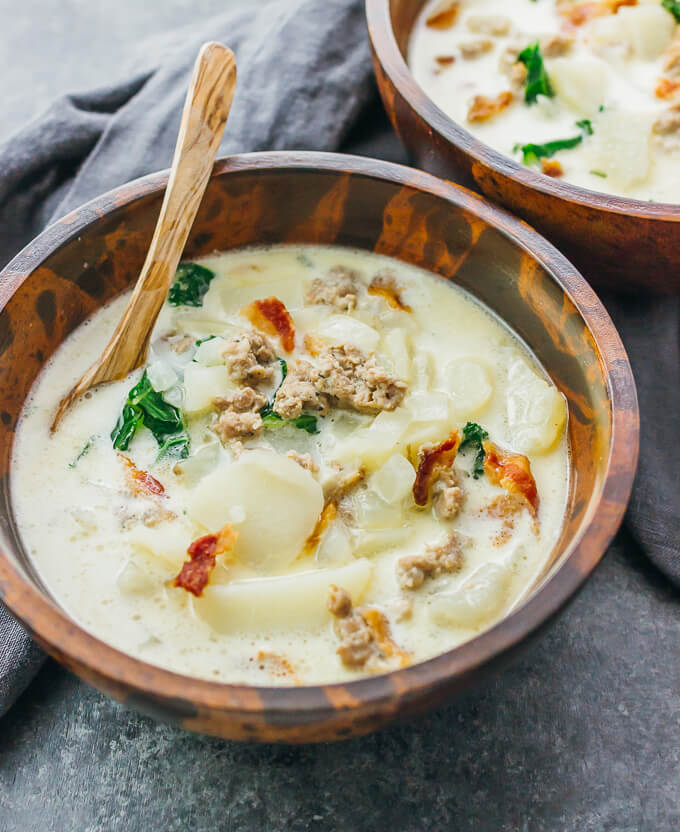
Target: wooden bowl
<point>94,253</point>
<point>616,242</point>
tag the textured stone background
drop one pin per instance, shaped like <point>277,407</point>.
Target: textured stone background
<point>581,735</point>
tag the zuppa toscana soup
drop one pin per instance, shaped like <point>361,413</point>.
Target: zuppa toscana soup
<point>586,91</point>
<point>333,465</point>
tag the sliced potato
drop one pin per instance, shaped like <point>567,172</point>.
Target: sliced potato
<point>649,28</point>
<point>397,346</point>
<point>432,418</point>
<point>620,146</point>
<point>581,82</point>
<point>289,602</point>
<point>536,410</point>
<point>479,600</point>
<point>272,502</point>
<point>468,385</point>
<point>371,446</point>
<point>344,329</point>
<point>394,480</point>
<point>203,384</point>
<point>166,542</point>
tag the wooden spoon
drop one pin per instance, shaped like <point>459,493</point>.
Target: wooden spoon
<point>205,113</point>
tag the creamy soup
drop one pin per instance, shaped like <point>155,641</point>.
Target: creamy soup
<point>334,464</point>
<point>587,91</point>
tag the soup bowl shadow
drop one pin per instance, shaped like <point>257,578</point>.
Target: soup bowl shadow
<point>619,243</point>
<point>95,253</point>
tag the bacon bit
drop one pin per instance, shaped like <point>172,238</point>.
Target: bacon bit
<point>551,167</point>
<point>140,482</point>
<point>380,628</point>
<point>666,88</point>
<point>271,317</point>
<point>445,60</point>
<point>577,15</point>
<point>483,108</point>
<point>444,15</point>
<point>385,286</point>
<point>195,572</point>
<point>313,344</point>
<point>278,666</point>
<point>431,459</point>
<point>328,514</point>
<point>512,472</point>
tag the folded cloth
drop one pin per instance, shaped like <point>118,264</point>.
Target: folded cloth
<point>305,81</point>
<point>304,76</point>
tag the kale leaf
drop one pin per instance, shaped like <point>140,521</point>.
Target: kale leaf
<point>672,6</point>
<point>537,82</point>
<point>473,436</point>
<point>586,125</point>
<point>86,447</point>
<point>533,152</point>
<point>144,406</point>
<point>190,285</point>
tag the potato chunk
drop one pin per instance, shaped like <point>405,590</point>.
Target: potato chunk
<point>204,384</point>
<point>479,600</point>
<point>289,602</point>
<point>536,410</point>
<point>468,385</point>
<point>272,502</point>
<point>649,28</point>
<point>580,82</point>
<point>343,329</point>
<point>620,146</point>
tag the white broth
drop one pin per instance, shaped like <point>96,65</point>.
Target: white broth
<point>306,526</point>
<point>585,91</point>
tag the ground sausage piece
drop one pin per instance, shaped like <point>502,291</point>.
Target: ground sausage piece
<point>364,633</point>
<point>483,108</point>
<point>554,46</point>
<point>486,24</point>
<point>412,570</point>
<point>339,291</point>
<point>472,49</point>
<point>551,167</point>
<point>447,495</point>
<point>344,377</point>
<point>250,358</point>
<point>239,415</point>
<point>304,461</point>
<point>667,128</point>
<point>671,65</point>
<point>444,14</point>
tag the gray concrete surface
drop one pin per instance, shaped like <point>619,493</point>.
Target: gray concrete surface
<point>582,734</point>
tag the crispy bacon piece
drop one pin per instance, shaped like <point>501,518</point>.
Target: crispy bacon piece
<point>271,317</point>
<point>666,88</point>
<point>512,472</point>
<point>444,15</point>
<point>195,573</point>
<point>431,460</point>
<point>385,286</point>
<point>445,60</point>
<point>483,108</point>
<point>576,14</point>
<point>551,167</point>
<point>140,482</point>
<point>380,628</point>
<point>328,514</point>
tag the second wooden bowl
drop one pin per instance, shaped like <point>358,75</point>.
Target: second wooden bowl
<point>616,242</point>
<point>96,252</point>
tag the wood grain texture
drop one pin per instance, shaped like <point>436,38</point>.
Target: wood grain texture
<point>621,243</point>
<point>208,101</point>
<point>312,197</point>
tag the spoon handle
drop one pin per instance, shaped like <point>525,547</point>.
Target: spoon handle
<point>205,114</point>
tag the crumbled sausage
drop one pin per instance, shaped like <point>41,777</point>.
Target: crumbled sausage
<point>340,290</point>
<point>181,344</point>
<point>554,46</point>
<point>364,634</point>
<point>385,285</point>
<point>487,24</point>
<point>518,75</point>
<point>483,108</point>
<point>344,377</point>
<point>447,495</point>
<point>551,167</point>
<point>239,414</point>
<point>304,461</point>
<point>250,358</point>
<point>446,557</point>
<point>472,49</point>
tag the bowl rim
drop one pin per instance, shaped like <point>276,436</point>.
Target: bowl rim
<point>388,54</point>
<point>69,641</point>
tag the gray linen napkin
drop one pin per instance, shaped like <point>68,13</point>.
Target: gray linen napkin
<point>304,82</point>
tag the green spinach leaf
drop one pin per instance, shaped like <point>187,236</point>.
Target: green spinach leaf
<point>537,82</point>
<point>190,285</point>
<point>473,436</point>
<point>672,6</point>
